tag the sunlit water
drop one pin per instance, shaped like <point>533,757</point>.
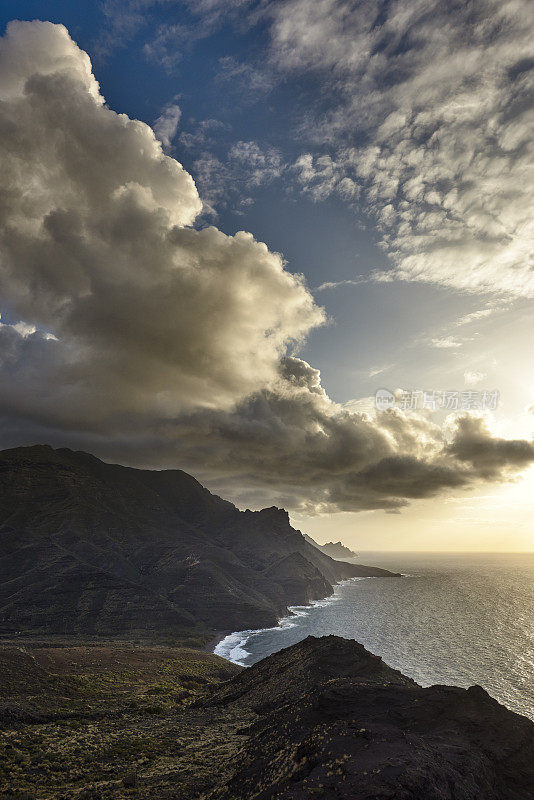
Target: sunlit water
<point>453,618</point>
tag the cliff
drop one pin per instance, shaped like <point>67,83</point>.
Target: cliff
<point>93,548</point>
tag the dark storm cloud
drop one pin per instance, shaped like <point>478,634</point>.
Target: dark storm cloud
<point>488,456</point>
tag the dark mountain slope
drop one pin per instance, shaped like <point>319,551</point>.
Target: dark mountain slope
<point>334,721</point>
<point>89,547</point>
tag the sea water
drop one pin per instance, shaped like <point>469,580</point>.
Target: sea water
<point>459,619</point>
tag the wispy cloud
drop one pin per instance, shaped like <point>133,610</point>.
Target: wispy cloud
<point>166,47</point>
<point>379,370</point>
<point>203,135</point>
<point>249,80</point>
<point>473,377</point>
<point>446,343</point>
<point>166,125</point>
<point>336,284</point>
<point>230,178</point>
<point>490,308</point>
<point>257,165</point>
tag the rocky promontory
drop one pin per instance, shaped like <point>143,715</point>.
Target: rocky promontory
<point>333,721</point>
<point>333,549</point>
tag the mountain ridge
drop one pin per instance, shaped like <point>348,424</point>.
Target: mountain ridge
<point>102,549</point>
<point>334,721</point>
<point>323,718</point>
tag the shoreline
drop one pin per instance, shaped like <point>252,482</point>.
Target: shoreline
<point>218,636</point>
<point>243,636</point>
<point>439,647</point>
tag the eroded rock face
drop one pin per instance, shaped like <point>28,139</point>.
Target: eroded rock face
<point>334,721</point>
<point>94,548</point>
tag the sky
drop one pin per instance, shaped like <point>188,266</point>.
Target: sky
<point>224,226</point>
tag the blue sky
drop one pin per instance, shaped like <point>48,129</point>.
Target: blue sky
<point>384,150</point>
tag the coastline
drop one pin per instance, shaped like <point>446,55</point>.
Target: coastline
<point>235,639</point>
<point>217,637</point>
<point>425,625</point>
<point>231,645</point>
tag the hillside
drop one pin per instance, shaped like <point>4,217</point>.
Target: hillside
<point>334,721</point>
<point>324,719</point>
<point>81,722</point>
<point>101,549</point>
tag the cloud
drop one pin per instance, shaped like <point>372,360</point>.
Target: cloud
<point>167,46</point>
<point>295,445</point>
<point>446,343</point>
<point>96,247</point>
<point>472,377</point>
<point>430,107</point>
<point>320,177</point>
<point>24,329</point>
<point>336,284</point>
<point>489,455</point>
<point>124,19</point>
<point>246,167</point>
<point>379,370</point>
<point>146,340</point>
<point>201,136</point>
<point>213,177</point>
<point>166,125</point>
<point>490,308</point>
<point>250,81</point>
<point>260,165</point>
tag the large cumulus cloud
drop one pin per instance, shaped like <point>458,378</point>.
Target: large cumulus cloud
<point>97,248</point>
<point>127,331</point>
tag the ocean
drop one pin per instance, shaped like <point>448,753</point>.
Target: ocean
<point>453,618</point>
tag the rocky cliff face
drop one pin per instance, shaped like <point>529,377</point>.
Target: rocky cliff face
<point>334,721</point>
<point>94,548</point>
